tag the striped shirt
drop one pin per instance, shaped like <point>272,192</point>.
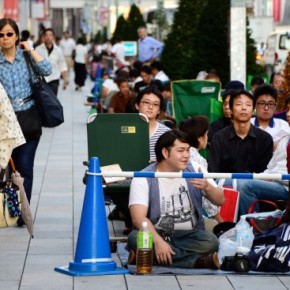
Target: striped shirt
<point>15,78</point>
<point>153,139</point>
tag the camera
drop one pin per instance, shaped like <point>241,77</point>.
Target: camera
<point>238,263</point>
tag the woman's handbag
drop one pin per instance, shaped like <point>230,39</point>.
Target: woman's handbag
<point>49,107</point>
<point>262,222</point>
<point>30,123</point>
<point>10,203</point>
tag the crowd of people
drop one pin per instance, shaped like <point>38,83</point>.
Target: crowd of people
<point>252,137</point>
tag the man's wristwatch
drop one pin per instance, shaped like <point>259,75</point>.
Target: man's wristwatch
<point>32,48</point>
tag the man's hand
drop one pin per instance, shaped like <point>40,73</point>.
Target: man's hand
<point>200,183</point>
<point>163,252</point>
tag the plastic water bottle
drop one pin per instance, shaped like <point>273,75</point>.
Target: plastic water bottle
<point>244,233</point>
<point>144,257</point>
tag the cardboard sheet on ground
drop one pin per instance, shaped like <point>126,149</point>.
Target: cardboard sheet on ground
<point>160,270</point>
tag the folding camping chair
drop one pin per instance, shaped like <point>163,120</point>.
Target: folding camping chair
<point>193,97</point>
<point>121,139</point>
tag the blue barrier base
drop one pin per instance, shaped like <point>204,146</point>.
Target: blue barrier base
<point>92,269</point>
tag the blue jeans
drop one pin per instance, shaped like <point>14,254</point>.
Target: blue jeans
<point>23,157</point>
<point>187,245</point>
<point>251,190</point>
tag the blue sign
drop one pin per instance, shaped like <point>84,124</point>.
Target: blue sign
<point>130,48</point>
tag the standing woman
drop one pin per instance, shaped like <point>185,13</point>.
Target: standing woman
<point>80,66</point>
<point>14,76</point>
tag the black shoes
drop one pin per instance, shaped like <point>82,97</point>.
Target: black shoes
<point>210,261</point>
<point>20,222</point>
<point>115,214</point>
<point>132,257</point>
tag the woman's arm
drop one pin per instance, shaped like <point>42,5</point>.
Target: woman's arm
<point>34,54</point>
<point>42,65</point>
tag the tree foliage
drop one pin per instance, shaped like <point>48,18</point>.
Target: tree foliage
<point>179,56</point>
<point>213,39</point>
<point>252,67</point>
<point>121,28</point>
<point>98,37</point>
<point>200,40</point>
<point>126,29</point>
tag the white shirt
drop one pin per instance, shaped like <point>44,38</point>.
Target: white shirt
<point>175,202</point>
<point>56,59</point>
<point>81,52</point>
<point>67,46</point>
<point>110,85</point>
<point>278,162</point>
<point>279,129</point>
<point>161,76</point>
<point>119,50</point>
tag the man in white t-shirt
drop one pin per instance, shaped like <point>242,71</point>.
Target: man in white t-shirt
<point>172,208</point>
<point>68,45</point>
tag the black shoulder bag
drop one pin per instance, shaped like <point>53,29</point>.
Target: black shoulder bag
<point>48,105</point>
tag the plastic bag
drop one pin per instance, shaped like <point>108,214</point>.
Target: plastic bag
<point>239,236</point>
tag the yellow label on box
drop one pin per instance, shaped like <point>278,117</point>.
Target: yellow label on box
<point>128,129</point>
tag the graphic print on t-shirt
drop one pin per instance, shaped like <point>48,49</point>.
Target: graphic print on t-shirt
<point>176,209</point>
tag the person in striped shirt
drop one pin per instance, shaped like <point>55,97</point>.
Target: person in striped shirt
<point>150,103</point>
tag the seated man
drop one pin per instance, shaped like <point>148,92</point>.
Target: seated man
<point>158,73</point>
<point>147,80</point>
<point>254,189</point>
<point>230,88</point>
<point>255,83</point>
<point>119,100</point>
<point>173,208</point>
<point>240,147</point>
<point>265,98</point>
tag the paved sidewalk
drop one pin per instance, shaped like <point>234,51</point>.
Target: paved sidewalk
<point>28,264</point>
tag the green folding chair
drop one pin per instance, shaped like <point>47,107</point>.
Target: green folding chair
<point>119,139</point>
<point>193,97</point>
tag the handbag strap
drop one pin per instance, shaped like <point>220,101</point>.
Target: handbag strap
<point>30,67</point>
<point>12,164</point>
<point>2,173</point>
<point>252,206</point>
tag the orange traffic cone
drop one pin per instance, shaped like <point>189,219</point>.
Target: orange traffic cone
<point>93,254</point>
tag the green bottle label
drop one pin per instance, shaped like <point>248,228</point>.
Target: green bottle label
<point>144,240</point>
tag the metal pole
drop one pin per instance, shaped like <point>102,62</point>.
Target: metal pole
<point>238,40</point>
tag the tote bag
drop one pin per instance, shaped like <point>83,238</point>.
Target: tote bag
<point>48,105</point>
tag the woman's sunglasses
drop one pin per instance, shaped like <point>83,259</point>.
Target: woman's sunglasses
<point>8,34</point>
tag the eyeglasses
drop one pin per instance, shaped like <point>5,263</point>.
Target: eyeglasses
<point>263,105</point>
<point>149,104</point>
<point>8,34</point>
